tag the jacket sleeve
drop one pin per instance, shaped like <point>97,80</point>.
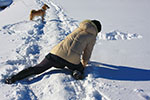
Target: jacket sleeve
<point>87,52</point>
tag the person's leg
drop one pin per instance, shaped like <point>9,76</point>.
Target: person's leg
<point>57,61</point>
<point>78,72</point>
<point>44,65</point>
<point>80,68</point>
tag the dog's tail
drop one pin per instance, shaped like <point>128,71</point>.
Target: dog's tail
<point>33,11</point>
<point>31,14</point>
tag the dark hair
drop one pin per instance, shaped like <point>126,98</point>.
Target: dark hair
<point>98,24</point>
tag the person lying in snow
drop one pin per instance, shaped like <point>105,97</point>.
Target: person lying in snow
<point>73,52</point>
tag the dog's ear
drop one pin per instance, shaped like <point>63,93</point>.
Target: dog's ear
<point>45,7</point>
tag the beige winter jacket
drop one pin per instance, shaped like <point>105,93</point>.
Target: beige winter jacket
<point>77,46</point>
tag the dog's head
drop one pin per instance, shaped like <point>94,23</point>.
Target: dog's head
<point>45,7</point>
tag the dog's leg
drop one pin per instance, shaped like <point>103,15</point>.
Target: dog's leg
<point>42,17</point>
<point>31,17</point>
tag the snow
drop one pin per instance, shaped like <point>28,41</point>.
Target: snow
<point>119,66</point>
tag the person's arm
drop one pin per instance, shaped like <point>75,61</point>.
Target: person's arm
<point>87,53</point>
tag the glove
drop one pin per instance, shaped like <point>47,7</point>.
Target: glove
<point>84,63</point>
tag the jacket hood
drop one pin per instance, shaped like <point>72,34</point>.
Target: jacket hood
<point>89,26</point>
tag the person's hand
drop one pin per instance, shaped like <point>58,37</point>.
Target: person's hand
<point>84,63</point>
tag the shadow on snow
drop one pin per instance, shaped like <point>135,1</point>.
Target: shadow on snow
<point>114,72</point>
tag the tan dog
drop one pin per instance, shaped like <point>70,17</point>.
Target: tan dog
<point>40,12</point>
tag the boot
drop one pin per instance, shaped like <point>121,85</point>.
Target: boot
<point>21,75</point>
<point>77,75</point>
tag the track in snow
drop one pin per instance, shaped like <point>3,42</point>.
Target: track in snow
<point>36,39</point>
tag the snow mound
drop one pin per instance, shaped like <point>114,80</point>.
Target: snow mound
<point>118,35</point>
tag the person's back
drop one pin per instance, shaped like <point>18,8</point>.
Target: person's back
<point>81,39</point>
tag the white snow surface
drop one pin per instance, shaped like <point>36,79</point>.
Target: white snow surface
<point>119,67</point>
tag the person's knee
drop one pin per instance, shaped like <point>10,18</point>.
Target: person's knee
<point>80,68</point>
